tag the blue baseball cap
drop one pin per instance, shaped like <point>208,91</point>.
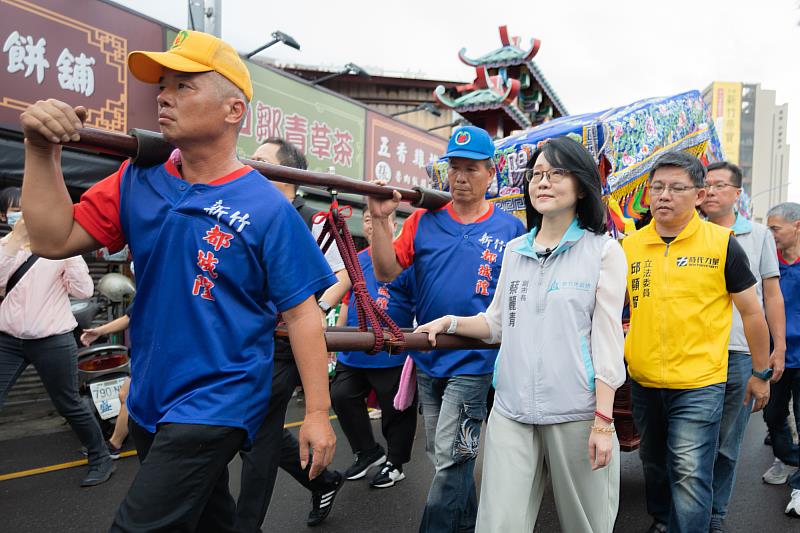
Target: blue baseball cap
<point>470,142</point>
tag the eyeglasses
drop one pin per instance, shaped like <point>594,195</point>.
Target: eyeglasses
<point>657,189</point>
<point>554,175</point>
<point>719,186</point>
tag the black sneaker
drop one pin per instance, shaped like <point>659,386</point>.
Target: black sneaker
<point>113,451</point>
<point>98,474</point>
<point>322,501</point>
<point>657,527</point>
<point>364,461</point>
<point>387,476</point>
<point>716,525</point>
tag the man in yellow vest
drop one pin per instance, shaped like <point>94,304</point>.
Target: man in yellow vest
<point>683,274</point>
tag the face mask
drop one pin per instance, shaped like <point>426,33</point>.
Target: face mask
<point>13,218</point>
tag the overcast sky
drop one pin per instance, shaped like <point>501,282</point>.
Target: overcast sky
<point>595,54</point>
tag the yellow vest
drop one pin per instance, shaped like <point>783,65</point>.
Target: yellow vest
<point>680,307</point>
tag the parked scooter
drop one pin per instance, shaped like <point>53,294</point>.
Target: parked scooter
<point>103,368</point>
<point>102,371</point>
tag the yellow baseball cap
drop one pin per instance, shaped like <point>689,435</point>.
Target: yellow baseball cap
<point>193,51</point>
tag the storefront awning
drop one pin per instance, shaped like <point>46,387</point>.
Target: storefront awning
<point>81,170</point>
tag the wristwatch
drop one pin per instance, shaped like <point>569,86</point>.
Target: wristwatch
<point>764,374</point>
<point>325,306</point>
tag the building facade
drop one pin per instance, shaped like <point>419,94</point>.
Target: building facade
<point>393,95</point>
<point>752,130</point>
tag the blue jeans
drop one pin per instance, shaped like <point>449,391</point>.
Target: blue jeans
<point>679,431</point>
<point>781,393</point>
<point>453,410</point>
<point>731,430</point>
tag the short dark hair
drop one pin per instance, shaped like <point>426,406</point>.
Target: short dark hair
<point>9,197</point>
<point>689,163</point>
<point>288,154</point>
<point>571,155</point>
<point>736,172</point>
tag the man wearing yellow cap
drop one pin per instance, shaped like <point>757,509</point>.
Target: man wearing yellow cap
<point>210,238</point>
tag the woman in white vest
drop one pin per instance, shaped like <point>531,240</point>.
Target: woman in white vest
<point>557,311</point>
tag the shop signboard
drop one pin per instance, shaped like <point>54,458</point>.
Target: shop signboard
<point>327,128</point>
<point>398,153</point>
<point>54,49</point>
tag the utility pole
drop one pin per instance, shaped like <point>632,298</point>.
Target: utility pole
<point>214,17</point>
<point>206,16</point>
<point>197,15</point>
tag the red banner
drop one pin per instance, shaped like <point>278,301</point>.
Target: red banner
<point>398,153</point>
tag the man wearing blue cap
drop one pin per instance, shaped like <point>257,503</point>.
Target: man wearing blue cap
<point>456,252</point>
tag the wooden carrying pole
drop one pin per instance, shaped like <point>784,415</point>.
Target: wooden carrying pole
<point>351,339</point>
<point>148,148</point>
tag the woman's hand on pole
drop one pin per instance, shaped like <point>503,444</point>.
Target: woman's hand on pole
<point>434,328</point>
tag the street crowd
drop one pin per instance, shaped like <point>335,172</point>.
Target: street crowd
<point>713,301</point>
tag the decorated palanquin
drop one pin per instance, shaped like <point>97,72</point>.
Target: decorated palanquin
<point>625,142</point>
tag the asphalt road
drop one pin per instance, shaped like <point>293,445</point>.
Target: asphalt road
<point>52,501</point>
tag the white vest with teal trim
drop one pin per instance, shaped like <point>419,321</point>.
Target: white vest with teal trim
<point>544,372</point>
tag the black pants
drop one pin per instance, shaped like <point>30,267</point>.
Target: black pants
<point>273,446</point>
<point>785,391</point>
<point>182,483</point>
<point>351,387</point>
<point>56,360</point>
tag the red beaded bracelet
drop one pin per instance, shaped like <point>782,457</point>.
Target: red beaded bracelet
<point>603,417</point>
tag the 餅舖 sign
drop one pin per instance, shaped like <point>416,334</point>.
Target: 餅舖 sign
<point>61,49</point>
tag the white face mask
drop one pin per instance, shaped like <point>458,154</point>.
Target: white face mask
<point>13,218</point>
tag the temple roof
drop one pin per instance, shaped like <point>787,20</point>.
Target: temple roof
<point>510,54</point>
<point>548,89</point>
<point>483,94</point>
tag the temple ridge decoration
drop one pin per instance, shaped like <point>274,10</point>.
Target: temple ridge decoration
<point>507,55</point>
<point>509,91</point>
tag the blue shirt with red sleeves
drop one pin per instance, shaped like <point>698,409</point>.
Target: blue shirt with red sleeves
<point>209,258</point>
<point>790,287</point>
<point>396,298</point>
<point>456,267</point>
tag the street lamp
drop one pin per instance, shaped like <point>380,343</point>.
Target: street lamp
<point>778,186</point>
<point>425,106</point>
<point>350,68</point>
<point>277,37</point>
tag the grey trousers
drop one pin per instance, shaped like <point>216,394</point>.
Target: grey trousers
<point>56,361</point>
<point>517,461</point>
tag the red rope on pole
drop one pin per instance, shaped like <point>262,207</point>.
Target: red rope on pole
<point>370,315</point>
